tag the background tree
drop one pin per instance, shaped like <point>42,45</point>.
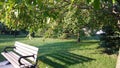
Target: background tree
<point>109,20</point>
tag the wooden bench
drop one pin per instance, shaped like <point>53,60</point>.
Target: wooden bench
<point>21,55</point>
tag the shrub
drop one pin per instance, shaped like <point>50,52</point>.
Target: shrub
<point>110,40</point>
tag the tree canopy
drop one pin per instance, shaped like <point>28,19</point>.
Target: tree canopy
<point>56,17</point>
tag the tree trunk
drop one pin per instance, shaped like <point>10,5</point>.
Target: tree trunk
<point>15,33</point>
<point>78,38</point>
<point>29,36</point>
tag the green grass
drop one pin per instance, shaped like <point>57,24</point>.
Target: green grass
<point>61,53</point>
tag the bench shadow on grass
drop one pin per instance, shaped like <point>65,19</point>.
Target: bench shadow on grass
<point>61,57</point>
<point>65,57</point>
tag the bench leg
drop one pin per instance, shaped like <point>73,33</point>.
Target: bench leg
<point>5,62</point>
<point>8,63</point>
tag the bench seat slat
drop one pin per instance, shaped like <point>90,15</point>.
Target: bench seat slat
<point>10,60</point>
<point>22,49</point>
<point>27,50</point>
<point>13,59</point>
<point>21,52</point>
<point>26,46</point>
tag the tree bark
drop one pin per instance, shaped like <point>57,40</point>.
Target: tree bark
<point>78,38</point>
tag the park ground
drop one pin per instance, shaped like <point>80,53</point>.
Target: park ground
<point>65,53</point>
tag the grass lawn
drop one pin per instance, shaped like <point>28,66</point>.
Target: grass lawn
<point>60,53</point>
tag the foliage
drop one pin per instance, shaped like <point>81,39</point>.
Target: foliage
<point>107,18</point>
<point>110,40</point>
<point>53,17</point>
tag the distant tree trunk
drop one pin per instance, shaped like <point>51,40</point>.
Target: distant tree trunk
<point>33,34</point>
<point>78,38</point>
<point>29,36</point>
<point>118,24</point>
<point>15,33</point>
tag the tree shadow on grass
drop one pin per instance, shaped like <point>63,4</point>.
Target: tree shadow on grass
<point>66,59</point>
<point>63,46</point>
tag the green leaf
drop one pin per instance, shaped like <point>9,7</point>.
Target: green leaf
<point>72,1</point>
<point>1,3</point>
<point>18,1</point>
<point>113,1</point>
<point>88,1</point>
<point>96,4</point>
<point>51,1</point>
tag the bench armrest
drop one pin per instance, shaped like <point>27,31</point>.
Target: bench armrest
<point>19,60</point>
<point>8,47</point>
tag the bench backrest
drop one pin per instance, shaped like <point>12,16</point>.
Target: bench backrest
<point>25,50</point>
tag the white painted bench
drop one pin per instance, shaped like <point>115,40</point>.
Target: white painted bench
<point>21,55</point>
